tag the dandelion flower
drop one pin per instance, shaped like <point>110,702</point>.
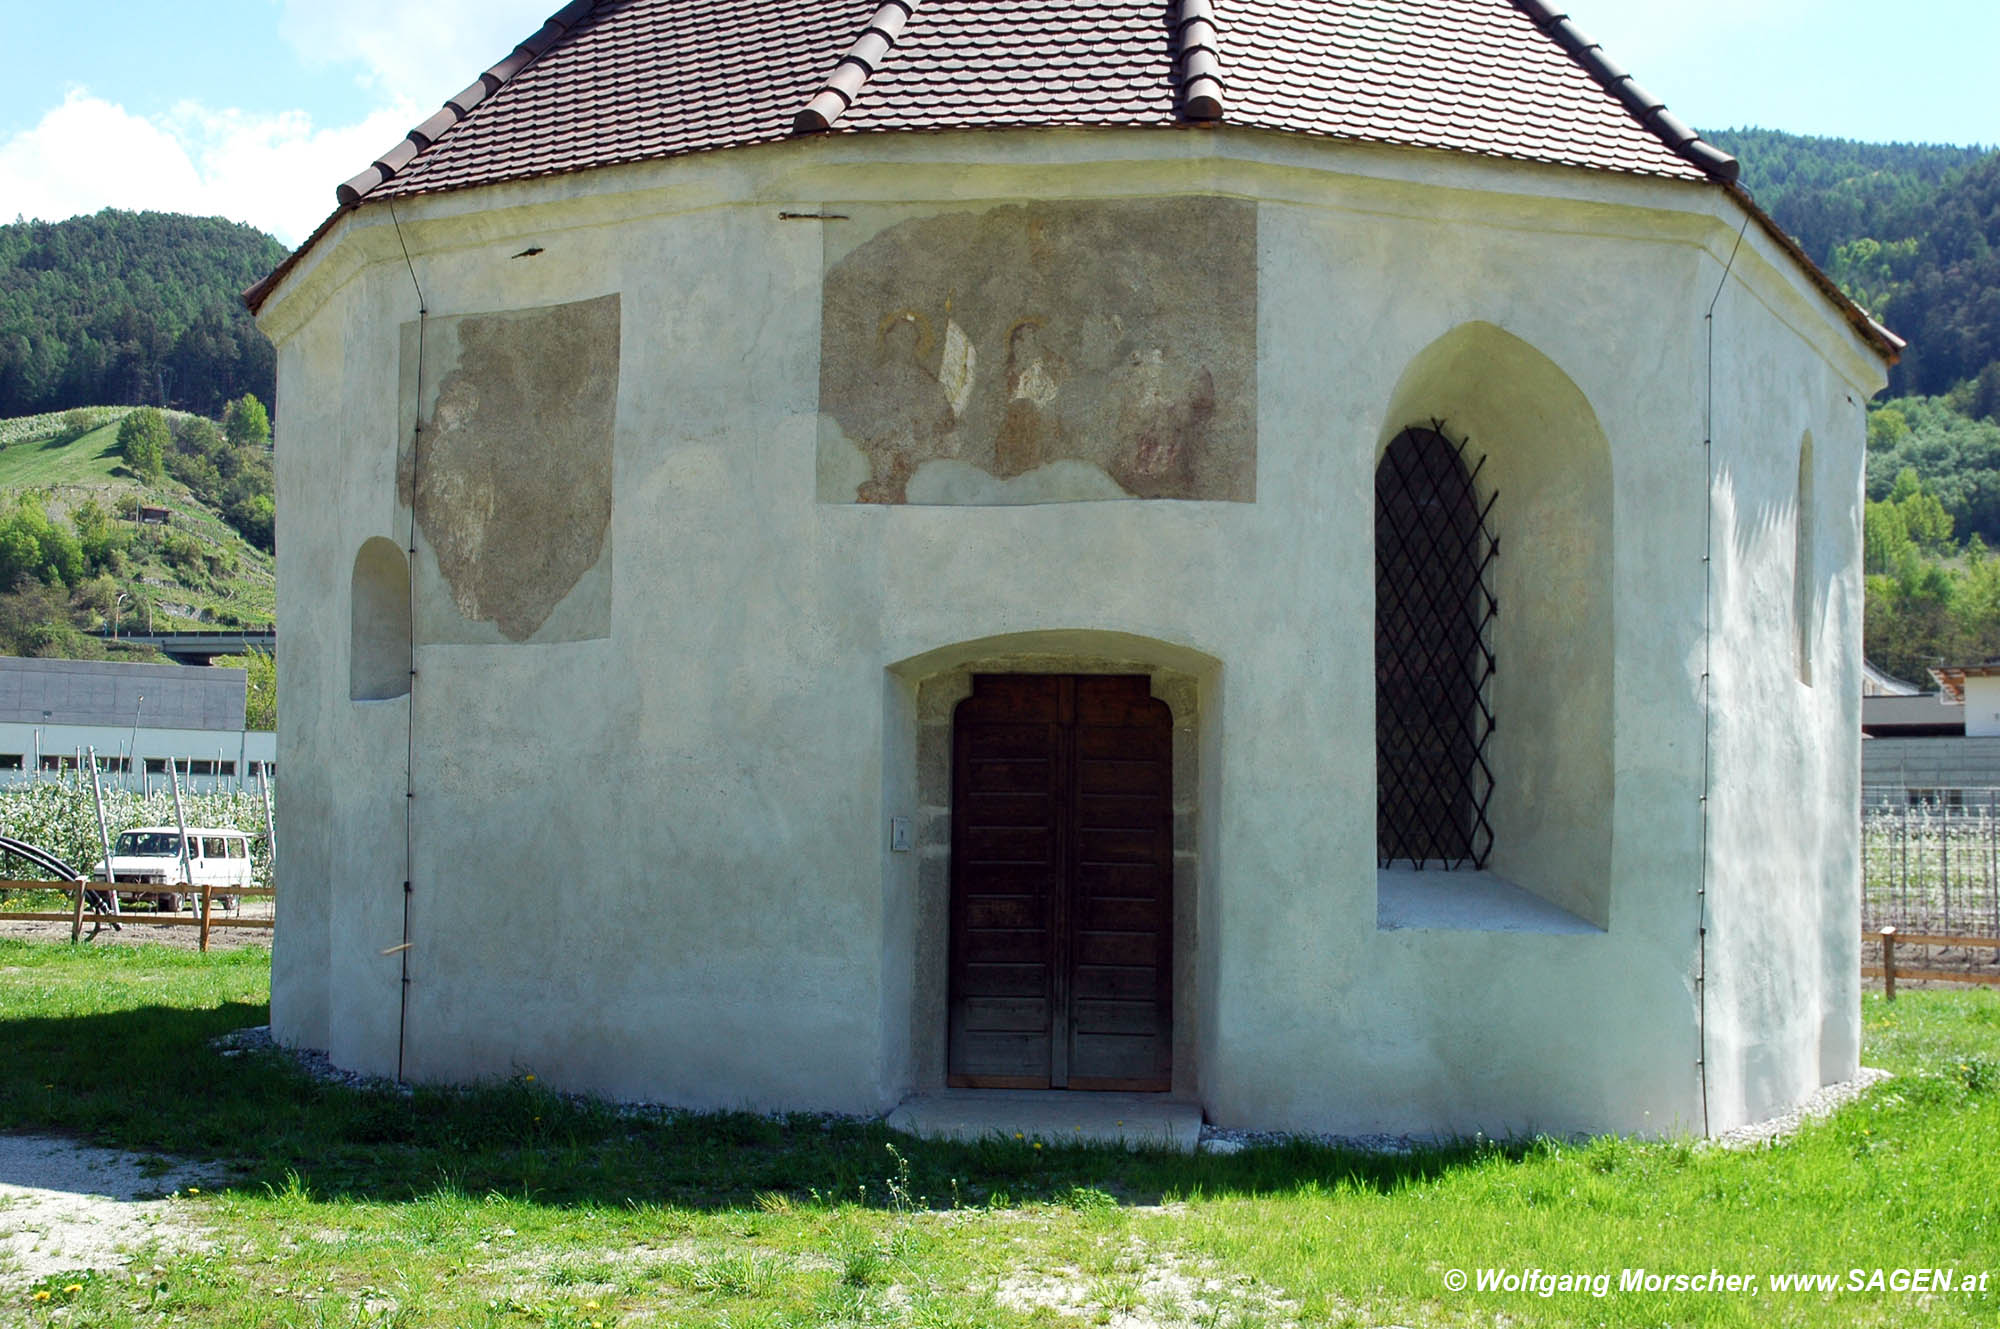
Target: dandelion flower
<point>527,1079</point>
<point>42,1295</point>
<point>72,1288</point>
<point>1038,1144</point>
<point>194,1190</point>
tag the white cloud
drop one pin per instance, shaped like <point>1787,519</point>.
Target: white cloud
<point>88,153</point>
<point>274,170</point>
<point>420,52</point>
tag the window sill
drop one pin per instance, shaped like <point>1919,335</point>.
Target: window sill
<point>1467,901</point>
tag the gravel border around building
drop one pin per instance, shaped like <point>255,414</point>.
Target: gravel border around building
<point>1214,1139</point>
<point>1773,1130</point>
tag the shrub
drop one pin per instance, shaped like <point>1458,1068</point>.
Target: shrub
<point>143,439</point>
<point>246,422</point>
<point>194,559</point>
<point>77,422</point>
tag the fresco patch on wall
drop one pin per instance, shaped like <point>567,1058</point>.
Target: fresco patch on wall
<point>513,482</point>
<point>1042,352</point>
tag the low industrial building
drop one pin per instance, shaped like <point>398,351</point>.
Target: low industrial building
<point>136,718</point>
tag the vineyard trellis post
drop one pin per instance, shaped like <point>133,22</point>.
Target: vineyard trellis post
<point>1944,859</point>
<point>1903,877</point>
<point>270,830</point>
<point>103,830</point>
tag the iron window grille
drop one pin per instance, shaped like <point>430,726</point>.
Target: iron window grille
<point>1434,611</point>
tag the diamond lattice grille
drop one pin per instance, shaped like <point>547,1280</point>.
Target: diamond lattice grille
<point>1433,659</point>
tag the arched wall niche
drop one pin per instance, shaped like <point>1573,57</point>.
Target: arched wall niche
<point>1553,747</point>
<point>378,665</point>
<point>922,695</point>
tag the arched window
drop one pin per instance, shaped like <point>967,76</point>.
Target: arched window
<point>378,664</point>
<point>1432,654</point>
<point>1805,568</point>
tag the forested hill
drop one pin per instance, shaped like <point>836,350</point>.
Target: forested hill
<point>1912,231</point>
<point>1827,191</point>
<point>131,308</point>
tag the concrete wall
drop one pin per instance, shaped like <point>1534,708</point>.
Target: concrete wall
<point>702,907</point>
<point>1931,763</point>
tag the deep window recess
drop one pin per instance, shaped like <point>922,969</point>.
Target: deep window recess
<point>1434,606</point>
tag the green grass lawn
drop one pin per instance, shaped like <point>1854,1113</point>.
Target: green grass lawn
<point>511,1206</point>
<point>89,459</point>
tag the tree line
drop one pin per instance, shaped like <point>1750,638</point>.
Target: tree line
<point>1911,231</point>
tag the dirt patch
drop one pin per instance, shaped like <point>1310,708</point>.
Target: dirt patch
<point>1149,1289</point>
<point>66,1206</point>
<point>184,936</point>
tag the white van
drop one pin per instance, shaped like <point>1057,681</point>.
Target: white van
<point>150,857</point>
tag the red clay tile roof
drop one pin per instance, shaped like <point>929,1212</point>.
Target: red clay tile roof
<point>607,82</point>
<point>613,81</point>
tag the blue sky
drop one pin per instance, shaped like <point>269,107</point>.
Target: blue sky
<point>255,109</point>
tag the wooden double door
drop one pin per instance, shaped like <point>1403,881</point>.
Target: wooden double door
<point>1062,884</point>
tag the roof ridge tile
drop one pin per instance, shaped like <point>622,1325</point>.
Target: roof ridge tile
<point>1196,48</point>
<point>855,67</point>
<point>1647,109</point>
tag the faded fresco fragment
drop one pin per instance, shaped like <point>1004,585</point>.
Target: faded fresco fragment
<point>512,483</point>
<point>1045,352</point>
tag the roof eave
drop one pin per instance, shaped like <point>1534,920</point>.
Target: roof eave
<point>254,297</point>
<point>1885,343</point>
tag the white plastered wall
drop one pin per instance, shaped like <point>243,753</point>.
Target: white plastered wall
<point>655,864</point>
<point>1784,872</point>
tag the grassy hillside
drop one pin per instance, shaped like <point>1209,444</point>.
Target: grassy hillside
<point>196,572</point>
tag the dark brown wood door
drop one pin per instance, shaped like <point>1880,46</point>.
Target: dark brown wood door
<point>1062,884</point>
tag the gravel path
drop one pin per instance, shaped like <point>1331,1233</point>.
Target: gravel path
<point>66,1206</point>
